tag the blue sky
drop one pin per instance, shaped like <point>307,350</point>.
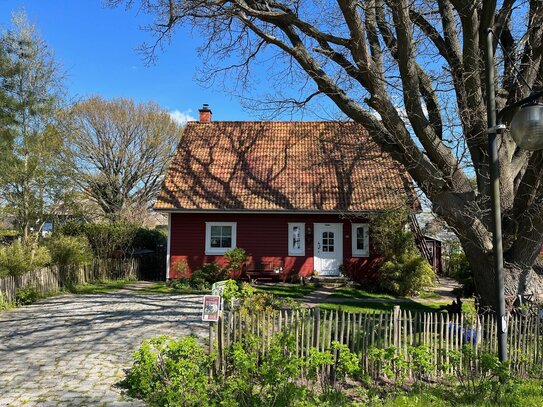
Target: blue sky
<point>96,47</point>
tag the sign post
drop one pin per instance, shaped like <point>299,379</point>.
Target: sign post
<point>212,308</point>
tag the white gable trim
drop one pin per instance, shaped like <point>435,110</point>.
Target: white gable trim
<point>168,247</point>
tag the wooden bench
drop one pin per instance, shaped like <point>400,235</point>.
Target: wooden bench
<point>270,271</point>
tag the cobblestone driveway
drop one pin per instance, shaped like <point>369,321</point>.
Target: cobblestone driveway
<point>71,350</point>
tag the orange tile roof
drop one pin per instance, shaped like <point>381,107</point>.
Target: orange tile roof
<point>288,166</point>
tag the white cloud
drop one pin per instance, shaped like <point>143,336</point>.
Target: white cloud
<point>182,117</point>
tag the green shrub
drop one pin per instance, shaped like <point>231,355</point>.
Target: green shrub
<point>235,258</point>
<point>110,239</point>
<point>208,274</point>
<point>403,271</point>
<point>19,258</point>
<point>26,295</point>
<point>198,281</point>
<point>69,250</point>
<point>169,372</point>
<point>407,274</point>
<point>4,304</point>
<point>106,239</point>
<point>458,267</point>
<point>179,284</point>
<point>389,236</point>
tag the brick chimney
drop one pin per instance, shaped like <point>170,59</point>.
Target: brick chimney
<point>205,114</point>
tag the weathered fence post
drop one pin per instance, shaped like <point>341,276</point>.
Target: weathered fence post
<point>316,326</point>
<point>397,327</point>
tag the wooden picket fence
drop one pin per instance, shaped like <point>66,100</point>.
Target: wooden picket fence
<point>403,330</point>
<point>52,279</point>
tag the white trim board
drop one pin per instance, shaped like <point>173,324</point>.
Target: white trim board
<point>168,247</point>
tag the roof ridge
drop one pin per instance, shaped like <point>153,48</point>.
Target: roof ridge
<point>275,121</point>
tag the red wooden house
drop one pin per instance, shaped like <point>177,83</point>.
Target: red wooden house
<point>294,195</point>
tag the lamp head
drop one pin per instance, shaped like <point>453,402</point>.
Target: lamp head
<point>527,127</point>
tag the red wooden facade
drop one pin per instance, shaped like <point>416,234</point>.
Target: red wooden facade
<point>265,238</point>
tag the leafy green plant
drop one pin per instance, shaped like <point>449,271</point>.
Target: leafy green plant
<point>389,236</point>
<point>236,258</point>
<point>182,268</point>
<point>457,267</point>
<point>391,361</point>
<point>69,250</point>
<point>422,361</point>
<point>19,258</point>
<point>268,379</point>
<point>168,372</point>
<point>179,283</point>
<point>208,274</point>
<point>347,363</point>
<point>5,304</point>
<point>406,274</point>
<point>403,271</point>
<point>26,295</point>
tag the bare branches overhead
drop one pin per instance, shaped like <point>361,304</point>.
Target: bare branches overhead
<point>410,71</point>
<point>119,152</point>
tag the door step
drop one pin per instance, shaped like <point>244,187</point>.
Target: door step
<point>329,280</point>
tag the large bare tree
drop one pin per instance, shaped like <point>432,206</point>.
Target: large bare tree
<point>412,72</point>
<point>119,152</point>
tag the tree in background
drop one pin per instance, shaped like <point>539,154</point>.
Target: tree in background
<point>31,174</point>
<point>412,72</point>
<point>119,152</point>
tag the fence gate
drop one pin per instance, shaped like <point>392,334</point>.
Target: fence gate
<point>152,267</point>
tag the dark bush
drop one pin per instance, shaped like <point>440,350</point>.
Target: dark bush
<point>150,239</point>
<point>115,239</point>
<point>210,273</point>
<point>458,268</point>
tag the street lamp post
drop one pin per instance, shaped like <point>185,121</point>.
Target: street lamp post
<point>527,131</point>
<point>495,197</point>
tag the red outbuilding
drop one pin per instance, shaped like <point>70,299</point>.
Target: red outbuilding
<point>297,196</point>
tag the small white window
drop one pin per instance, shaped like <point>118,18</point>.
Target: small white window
<point>220,237</point>
<point>296,239</point>
<point>360,240</point>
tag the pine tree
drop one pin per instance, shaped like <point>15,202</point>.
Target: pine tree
<point>30,97</point>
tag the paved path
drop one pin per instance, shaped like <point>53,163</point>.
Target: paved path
<point>71,350</point>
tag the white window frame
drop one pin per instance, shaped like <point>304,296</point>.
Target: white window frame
<point>301,250</point>
<point>356,252</point>
<point>219,250</point>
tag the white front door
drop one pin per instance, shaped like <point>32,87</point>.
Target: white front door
<point>328,248</point>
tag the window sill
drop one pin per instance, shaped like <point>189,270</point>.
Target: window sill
<point>216,252</point>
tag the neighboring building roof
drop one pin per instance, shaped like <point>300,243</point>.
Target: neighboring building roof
<point>282,166</point>
<point>435,228</point>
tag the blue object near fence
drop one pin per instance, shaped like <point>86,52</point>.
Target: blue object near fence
<point>468,335</point>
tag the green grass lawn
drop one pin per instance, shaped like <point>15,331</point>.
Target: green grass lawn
<point>360,293</point>
<point>368,306</point>
<point>287,290</point>
<point>517,393</point>
<point>162,288</point>
<point>372,306</point>
<point>100,287</point>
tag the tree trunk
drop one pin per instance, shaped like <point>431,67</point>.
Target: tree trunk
<point>517,281</point>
